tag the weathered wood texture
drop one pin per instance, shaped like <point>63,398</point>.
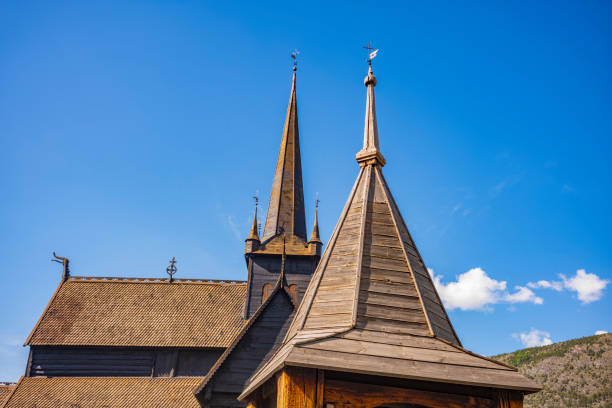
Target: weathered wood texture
<point>258,343</point>
<point>120,361</point>
<point>371,275</point>
<point>508,399</point>
<point>297,388</point>
<point>286,208</point>
<point>348,394</point>
<point>265,269</point>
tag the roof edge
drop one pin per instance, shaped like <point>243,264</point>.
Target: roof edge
<point>213,370</point>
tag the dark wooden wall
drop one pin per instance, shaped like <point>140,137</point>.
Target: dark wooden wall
<point>261,341</point>
<point>266,269</point>
<point>120,361</point>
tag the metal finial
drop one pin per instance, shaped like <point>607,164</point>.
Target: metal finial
<point>294,55</point>
<point>171,269</point>
<point>371,52</point>
<point>65,263</point>
<point>317,201</point>
<point>256,200</point>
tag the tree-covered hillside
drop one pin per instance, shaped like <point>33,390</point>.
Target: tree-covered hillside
<point>574,373</point>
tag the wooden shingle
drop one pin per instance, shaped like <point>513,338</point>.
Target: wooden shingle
<point>132,312</point>
<point>107,392</point>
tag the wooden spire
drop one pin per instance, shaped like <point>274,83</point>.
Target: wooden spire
<point>315,237</point>
<point>286,210</point>
<point>371,150</point>
<point>254,233</point>
<point>371,306</point>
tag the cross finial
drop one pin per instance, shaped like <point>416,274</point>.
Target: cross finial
<point>371,52</point>
<point>294,55</point>
<point>171,269</point>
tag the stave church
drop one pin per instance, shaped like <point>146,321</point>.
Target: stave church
<point>359,324</point>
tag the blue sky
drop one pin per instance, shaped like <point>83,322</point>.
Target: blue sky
<point>132,132</point>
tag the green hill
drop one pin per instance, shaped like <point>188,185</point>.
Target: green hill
<point>574,373</point>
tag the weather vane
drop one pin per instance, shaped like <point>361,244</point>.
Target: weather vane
<point>294,55</point>
<point>171,269</point>
<point>371,52</point>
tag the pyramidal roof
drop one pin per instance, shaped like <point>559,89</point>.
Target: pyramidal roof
<point>371,306</point>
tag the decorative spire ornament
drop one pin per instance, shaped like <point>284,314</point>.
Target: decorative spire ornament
<point>171,270</point>
<point>370,154</point>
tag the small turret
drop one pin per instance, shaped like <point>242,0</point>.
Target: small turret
<point>315,242</point>
<point>252,241</point>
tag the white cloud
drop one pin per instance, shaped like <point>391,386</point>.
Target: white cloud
<point>598,332</point>
<point>588,285</point>
<point>534,338</point>
<point>522,295</point>
<point>475,290</point>
<point>554,285</point>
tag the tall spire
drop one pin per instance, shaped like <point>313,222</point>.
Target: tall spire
<point>371,150</point>
<point>286,210</point>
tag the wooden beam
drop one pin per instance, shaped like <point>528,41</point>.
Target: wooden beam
<point>509,399</point>
<point>320,389</point>
<point>343,394</point>
<point>297,388</point>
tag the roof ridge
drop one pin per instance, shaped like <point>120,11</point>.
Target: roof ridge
<point>122,279</point>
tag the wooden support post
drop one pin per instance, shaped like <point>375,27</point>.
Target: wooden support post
<point>297,388</point>
<point>509,399</point>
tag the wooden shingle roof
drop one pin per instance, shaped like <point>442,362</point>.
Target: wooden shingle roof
<point>143,313</point>
<point>371,306</point>
<point>5,390</point>
<point>107,392</point>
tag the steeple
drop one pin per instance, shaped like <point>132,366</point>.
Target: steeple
<point>286,209</point>
<point>371,306</point>
<point>252,241</point>
<point>315,239</point>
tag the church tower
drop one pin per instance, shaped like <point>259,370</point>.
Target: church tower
<point>285,225</point>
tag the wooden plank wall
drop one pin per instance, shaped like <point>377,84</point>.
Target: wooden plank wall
<point>262,340</point>
<point>120,361</point>
<point>266,269</point>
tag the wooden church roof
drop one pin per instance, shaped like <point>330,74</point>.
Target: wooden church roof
<point>139,312</point>
<point>5,391</point>
<point>371,306</point>
<point>110,392</point>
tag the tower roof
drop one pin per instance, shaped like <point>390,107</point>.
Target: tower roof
<point>286,209</point>
<point>371,306</point>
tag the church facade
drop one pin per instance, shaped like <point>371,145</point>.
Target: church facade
<point>359,325</point>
